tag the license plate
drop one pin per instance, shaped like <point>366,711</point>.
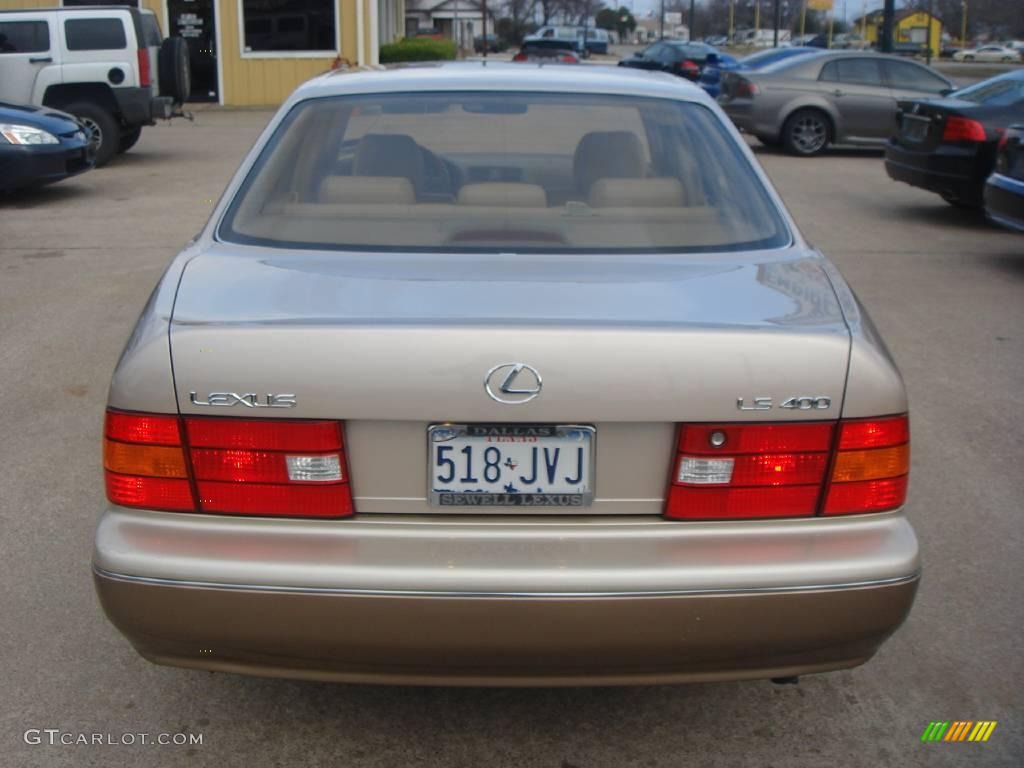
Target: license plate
<point>915,128</point>
<point>511,465</point>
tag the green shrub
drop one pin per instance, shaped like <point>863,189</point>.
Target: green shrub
<point>417,49</point>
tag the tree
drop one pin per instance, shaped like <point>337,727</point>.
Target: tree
<point>621,21</point>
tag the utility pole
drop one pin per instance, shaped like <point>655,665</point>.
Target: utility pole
<point>803,21</point>
<point>963,25</point>
<point>777,22</point>
<point>888,15</point>
<point>484,12</point>
<point>661,24</point>
<point>928,55</point>
<point>691,20</point>
<point>732,9</point>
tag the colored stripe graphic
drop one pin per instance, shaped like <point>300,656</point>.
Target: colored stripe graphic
<point>958,730</point>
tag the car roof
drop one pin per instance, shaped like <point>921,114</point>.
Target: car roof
<point>502,76</point>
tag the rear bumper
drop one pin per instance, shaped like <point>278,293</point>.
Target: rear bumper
<point>505,602</point>
<point>138,106</point>
<point>1004,201</point>
<point>954,171</point>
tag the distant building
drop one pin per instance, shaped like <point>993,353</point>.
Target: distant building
<point>909,27</point>
<point>457,20</point>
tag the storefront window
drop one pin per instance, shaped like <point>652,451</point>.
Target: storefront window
<point>283,26</point>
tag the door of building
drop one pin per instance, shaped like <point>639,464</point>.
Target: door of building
<point>194,20</point>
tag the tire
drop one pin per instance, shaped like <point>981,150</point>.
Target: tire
<point>105,133</point>
<point>806,132</point>
<point>128,139</point>
<point>175,70</point>
<point>968,58</point>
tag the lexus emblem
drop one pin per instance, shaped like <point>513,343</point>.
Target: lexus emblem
<point>513,383</point>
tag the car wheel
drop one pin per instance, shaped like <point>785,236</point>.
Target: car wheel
<point>174,69</point>
<point>968,58</point>
<point>1006,59</point>
<point>806,132</point>
<point>128,139</point>
<point>104,132</point>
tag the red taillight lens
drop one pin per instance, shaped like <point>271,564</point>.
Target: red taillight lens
<point>144,75</point>
<point>737,471</point>
<point>567,59</point>
<point>749,470</point>
<point>963,129</point>
<point>226,466</point>
<point>869,473</point>
<point>520,57</point>
<point>747,89</point>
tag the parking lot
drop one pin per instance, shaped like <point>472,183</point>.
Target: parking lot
<point>77,263</point>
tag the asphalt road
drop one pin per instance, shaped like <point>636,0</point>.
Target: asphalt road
<point>77,262</point>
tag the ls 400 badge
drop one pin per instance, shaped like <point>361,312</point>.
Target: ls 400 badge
<point>249,400</point>
<point>799,403</point>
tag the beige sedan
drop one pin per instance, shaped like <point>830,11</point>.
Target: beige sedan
<point>505,375</point>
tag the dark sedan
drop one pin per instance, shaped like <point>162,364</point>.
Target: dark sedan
<point>674,57</point>
<point>948,146</point>
<point>1004,190</point>
<point>39,145</point>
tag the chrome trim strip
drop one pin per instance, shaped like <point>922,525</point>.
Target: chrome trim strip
<point>576,595</point>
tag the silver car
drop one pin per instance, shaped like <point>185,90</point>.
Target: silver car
<point>502,374</point>
<point>835,97</point>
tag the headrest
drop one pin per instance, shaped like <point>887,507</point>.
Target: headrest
<point>388,154</point>
<point>637,193</point>
<point>395,190</point>
<point>502,194</point>
<point>607,154</point>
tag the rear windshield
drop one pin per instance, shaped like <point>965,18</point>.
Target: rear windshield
<point>503,172</point>
<point>997,92</point>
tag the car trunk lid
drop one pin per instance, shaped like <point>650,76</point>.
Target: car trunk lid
<point>392,343</point>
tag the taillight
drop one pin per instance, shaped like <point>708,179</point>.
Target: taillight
<point>746,88</point>
<point>742,471</point>
<point>144,75</point>
<point>567,59</point>
<point>872,460</point>
<point>520,57</point>
<point>963,129</point>
<point>226,466</point>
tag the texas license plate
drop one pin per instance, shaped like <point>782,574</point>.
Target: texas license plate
<point>511,465</point>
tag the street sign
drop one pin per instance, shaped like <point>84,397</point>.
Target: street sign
<point>673,17</point>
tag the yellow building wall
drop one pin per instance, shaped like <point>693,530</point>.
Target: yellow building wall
<point>902,33</point>
<point>17,5</point>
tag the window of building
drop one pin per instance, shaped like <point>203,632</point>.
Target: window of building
<point>24,37</point>
<point>95,34</point>
<point>289,26</point>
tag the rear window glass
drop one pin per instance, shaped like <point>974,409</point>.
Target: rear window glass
<point>24,37</point>
<point>503,172</point>
<point>998,92</point>
<point>151,31</point>
<point>95,34</point>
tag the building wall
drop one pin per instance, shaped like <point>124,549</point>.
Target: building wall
<point>254,80</point>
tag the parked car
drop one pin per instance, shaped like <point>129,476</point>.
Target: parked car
<point>832,97</point>
<point>492,43</point>
<point>614,421</point>
<point>1004,190</point>
<point>594,39</point>
<point>571,36</point>
<point>675,57</point>
<point>989,53</point>
<point>39,146</point>
<point>711,73</point>
<point>108,66</point>
<point>948,146</point>
<point>546,51</point>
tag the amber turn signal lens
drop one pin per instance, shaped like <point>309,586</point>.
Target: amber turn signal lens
<point>146,460</point>
<point>874,464</point>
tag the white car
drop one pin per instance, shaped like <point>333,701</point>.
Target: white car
<point>987,53</point>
